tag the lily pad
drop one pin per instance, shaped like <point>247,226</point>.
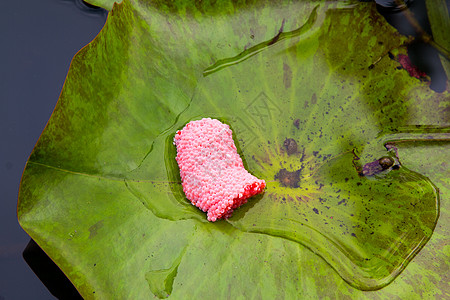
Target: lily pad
<point>101,192</point>
<point>106,4</point>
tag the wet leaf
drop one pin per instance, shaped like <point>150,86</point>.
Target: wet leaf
<point>101,192</point>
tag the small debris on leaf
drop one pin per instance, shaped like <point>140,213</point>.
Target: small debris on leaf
<point>212,173</point>
<point>377,166</point>
<point>386,162</point>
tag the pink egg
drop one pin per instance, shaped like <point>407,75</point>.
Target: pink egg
<point>213,175</point>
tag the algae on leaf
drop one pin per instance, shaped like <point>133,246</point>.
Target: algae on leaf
<point>292,79</point>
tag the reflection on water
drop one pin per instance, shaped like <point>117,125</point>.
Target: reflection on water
<point>88,8</point>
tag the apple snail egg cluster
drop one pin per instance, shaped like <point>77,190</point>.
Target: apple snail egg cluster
<point>212,173</point>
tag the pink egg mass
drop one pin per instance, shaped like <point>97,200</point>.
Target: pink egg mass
<point>212,173</point>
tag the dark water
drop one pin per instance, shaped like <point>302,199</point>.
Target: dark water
<point>39,39</point>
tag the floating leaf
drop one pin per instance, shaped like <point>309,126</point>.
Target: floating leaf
<point>106,4</point>
<point>101,192</point>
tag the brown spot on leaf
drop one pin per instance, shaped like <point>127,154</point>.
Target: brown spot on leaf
<point>313,99</point>
<point>287,75</point>
<point>297,123</point>
<point>94,228</point>
<point>291,146</point>
<point>288,179</point>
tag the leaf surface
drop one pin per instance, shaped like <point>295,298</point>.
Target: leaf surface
<point>101,192</point>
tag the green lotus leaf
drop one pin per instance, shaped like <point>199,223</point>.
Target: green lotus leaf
<point>352,148</point>
<point>106,4</point>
